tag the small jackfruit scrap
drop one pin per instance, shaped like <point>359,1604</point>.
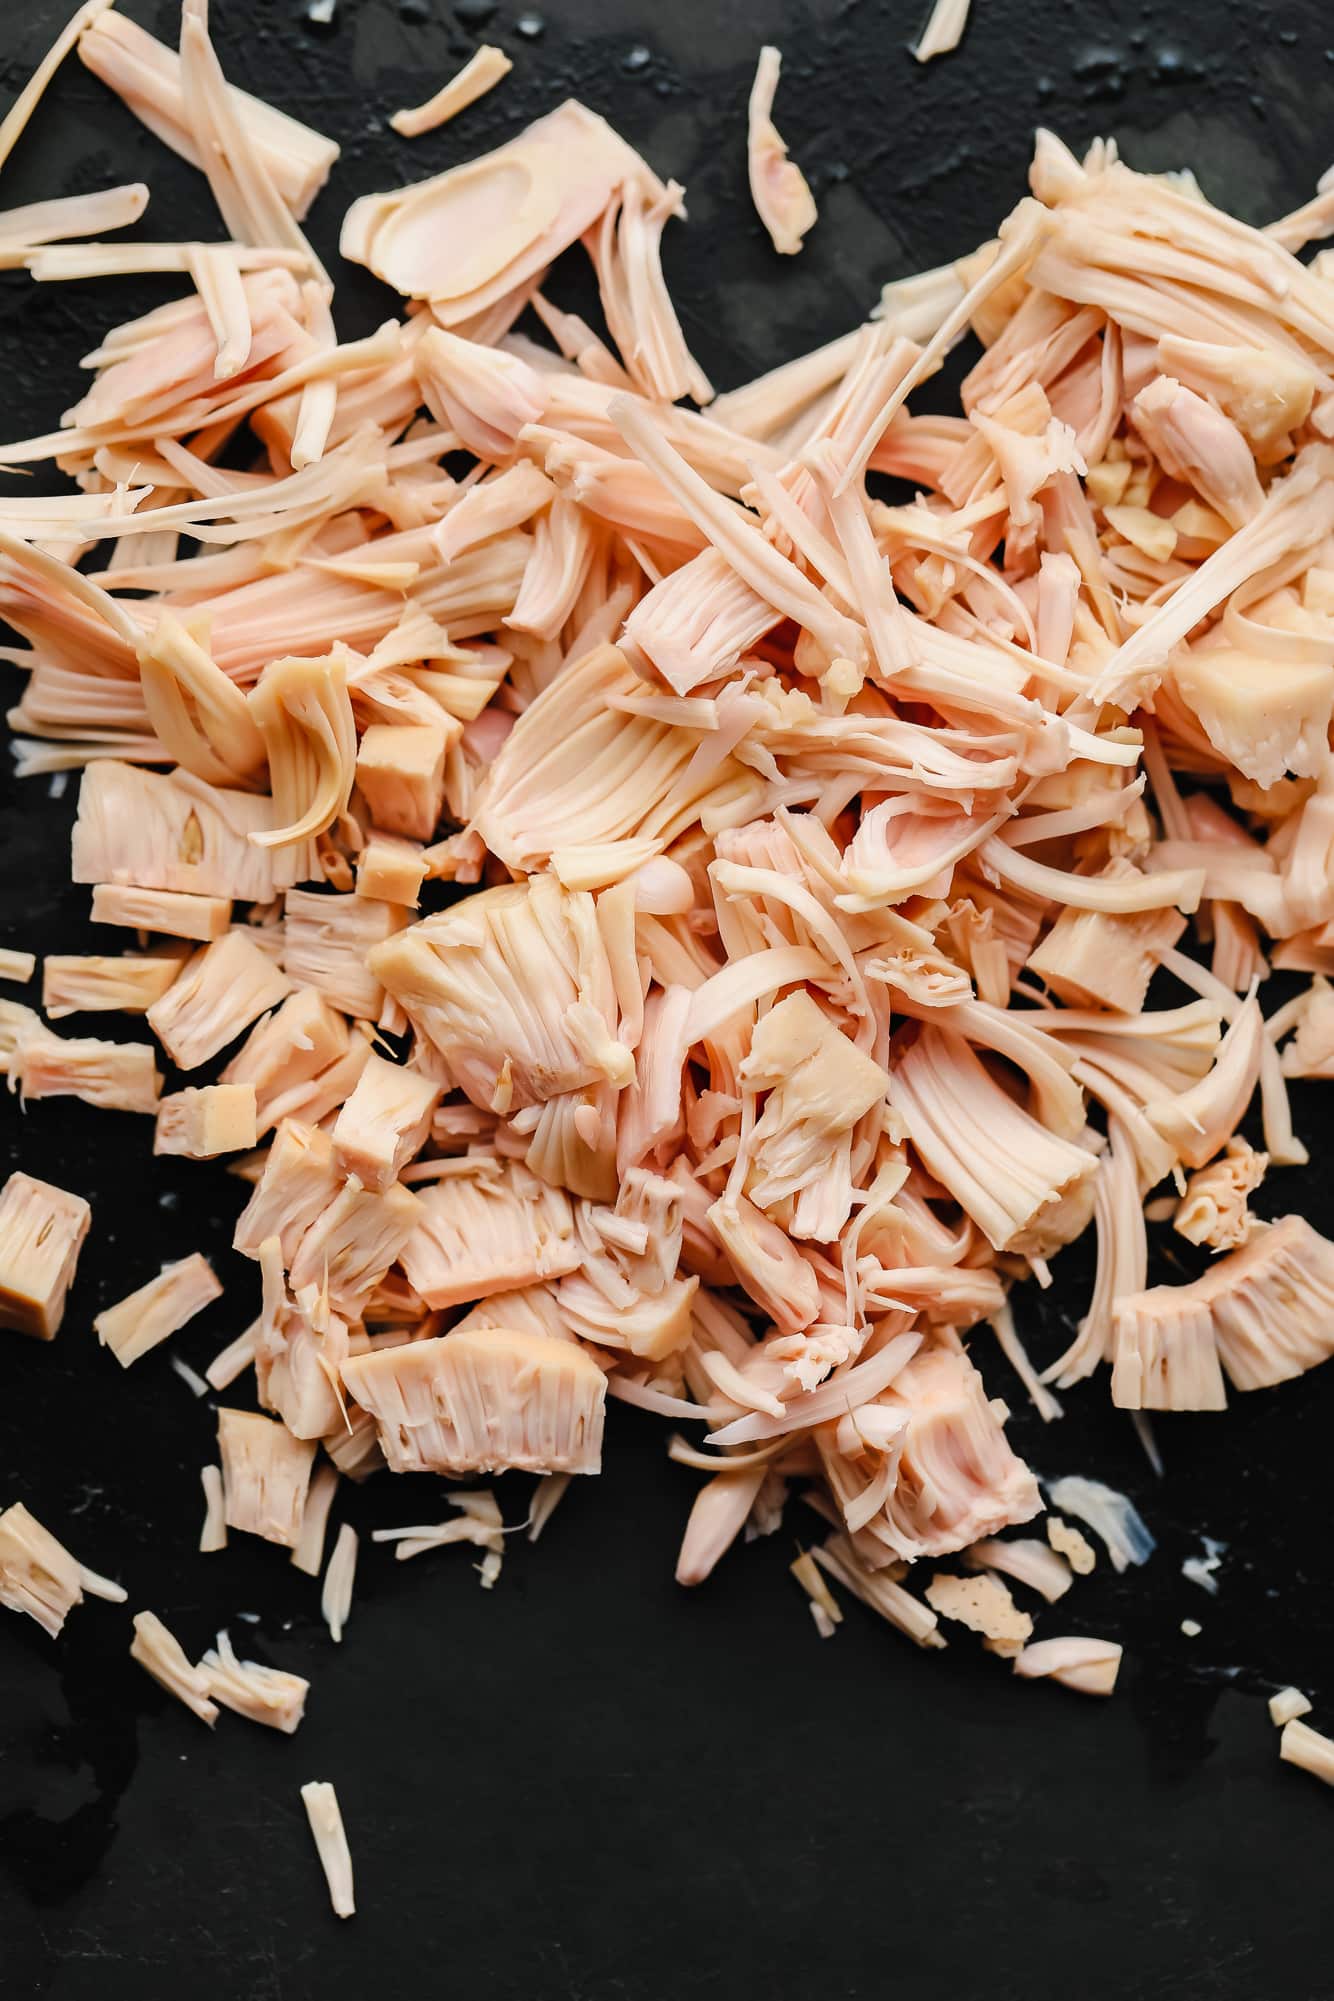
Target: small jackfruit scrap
<point>778,187</point>
<point>1077,1550</point>
<point>1036,1564</point>
<point>330,942</point>
<point>231,1362</point>
<point>391,870</point>
<point>983,1605</point>
<point>266,1695</point>
<point>37,1573</point>
<point>384,1123</point>
<point>213,1535</point>
<point>204,1121</point>
<point>825,1609</point>
<point>1111,1515</point>
<point>720,1512</point>
<point>1213,1209</point>
<point>265,1475</point>
<point>222,990</point>
<point>1088,1666</point>
<point>336,1596</point>
<point>157,1649</point>
<point>308,1554</point>
<point>551,1490</point>
<point>628,1292</point>
<point>115,1076</point>
<point>326,1825</point>
<point>485,68</point>
<point>175,913</point>
<point>484,1402</point>
<point>144,1318</point>
<point>879,1590</point>
<point>42,1229</point>
<point>1307,1748</point>
<point>489,1231</point>
<point>17,966</point>
<point>401,776</point>
<point>93,985</point>
<point>1286,1705</point>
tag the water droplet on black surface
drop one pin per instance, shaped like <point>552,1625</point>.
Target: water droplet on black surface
<point>636,59</point>
<point>321,13</point>
<point>530,26</point>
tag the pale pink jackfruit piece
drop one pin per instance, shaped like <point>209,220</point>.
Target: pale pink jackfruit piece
<point>299,1346</point>
<point>626,250</point>
<point>17,966</point>
<point>391,870</point>
<point>265,1474</point>
<point>1213,1209</point>
<point>401,775</point>
<point>203,1122</point>
<point>485,395</point>
<point>983,1605</point>
<point>1272,1303</point>
<point>766,1264</point>
<point>627,1293</point>
<point>1266,393</point>
<point>37,1573</point>
<point>127,984</point>
<point>285,1056</point>
<point>328,942</point>
<point>200,717</point>
<point>117,1076</point>
<point>147,1316</point>
<point>1070,1543</point>
<point>326,1825</point>
<point>778,187</point>
<point>480,231</point>
<point>1311,1050</point>
<point>483,1402</point>
<point>384,1122</point>
<point>489,1230</point>
<point>1308,1749</point>
<point>719,1513</point>
<point>514,989</point>
<point>1027,1189</point>
<point>956,1477</point>
<point>266,1695</point>
<point>819,1085</point>
<point>298,1184</point>
<point>175,833</point>
<point>1197,1123</point>
<point>1039,1565</point>
<point>1088,1666</point>
<point>336,1595</point>
<point>1196,444</point>
<point>1164,1355</point>
<point>147,76</point>
<point>485,68</point>
<point>157,1649</point>
<point>347,1248</point>
<point>880,1591</point>
<point>42,1229</point>
<point>220,993</point>
<point>1091,958</point>
<point>176,913</point>
<point>302,712</point>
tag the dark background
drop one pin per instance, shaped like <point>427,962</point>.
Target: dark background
<point>588,1784</point>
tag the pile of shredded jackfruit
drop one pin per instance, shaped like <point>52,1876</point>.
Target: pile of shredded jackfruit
<point>829,859</point>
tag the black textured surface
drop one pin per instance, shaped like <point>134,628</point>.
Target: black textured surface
<point>588,1783</point>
